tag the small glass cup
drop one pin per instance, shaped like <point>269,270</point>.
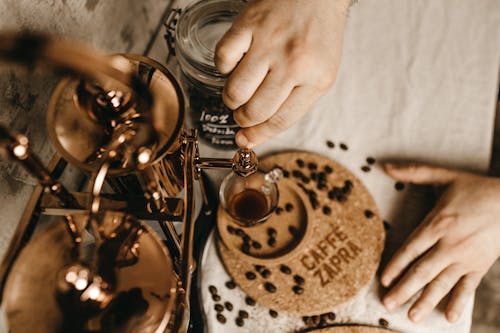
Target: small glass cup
<point>250,200</point>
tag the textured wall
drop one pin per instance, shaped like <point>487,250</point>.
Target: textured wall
<point>110,25</point>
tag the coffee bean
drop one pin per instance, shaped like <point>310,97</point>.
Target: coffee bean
<point>322,176</point>
<point>256,245</point>
<point>341,198</point>
<point>285,269</point>
<point>212,289</point>
<point>399,186</point>
<point>259,268</point>
<point>298,290</point>
<point>297,174</point>
<point>387,226</point>
<point>221,318</point>
<point>270,287</point>
<point>231,230</point>
<point>370,160</point>
<point>343,146</point>
<point>273,313</point>
<point>369,214</point>
<point>246,239</point>
<point>216,298</point>
<point>265,273</point>
<point>218,307</point>
<point>250,275</point>
<point>348,183</point>
<point>250,301</point>
<point>312,166</point>
<point>327,210</point>
<point>331,316</point>
<point>365,168</point>
<point>331,194</point>
<point>228,306</point>
<point>286,173</point>
<point>346,190</point>
<point>240,232</point>
<point>328,169</point>
<point>230,284</point>
<point>239,321</point>
<point>300,163</point>
<point>314,203</point>
<point>245,248</point>
<point>321,186</point>
<point>288,207</point>
<point>305,180</point>
<point>271,242</point>
<point>271,232</point>
<point>383,322</point>
<point>330,144</point>
<point>294,231</point>
<point>278,210</point>
<point>243,314</point>
<point>299,279</point>
<point>314,176</point>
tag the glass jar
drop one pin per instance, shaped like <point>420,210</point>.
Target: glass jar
<point>197,30</point>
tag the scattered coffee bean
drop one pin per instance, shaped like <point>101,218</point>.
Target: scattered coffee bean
<point>250,275</point>
<point>300,163</point>
<point>271,242</point>
<point>212,289</point>
<point>297,174</point>
<point>265,273</point>
<point>256,245</point>
<point>387,226</point>
<point>328,169</point>
<point>271,232</point>
<point>343,146</point>
<point>246,239</point>
<point>399,186</point>
<point>239,321</point>
<point>285,269</point>
<point>369,214</point>
<point>327,210</point>
<point>370,160</point>
<point>314,176</point>
<point>331,194</point>
<point>216,298</point>
<point>342,198</point>
<point>218,307</point>
<point>259,268</point>
<point>331,316</point>
<point>383,322</point>
<point>305,180</point>
<point>322,186</point>
<point>230,284</point>
<point>299,279</point>
<point>298,290</point>
<point>245,248</point>
<point>288,207</point>
<point>322,176</point>
<point>228,306</point>
<point>286,173</point>
<point>250,301</point>
<point>270,287</point>
<point>312,166</point>
<point>330,144</point>
<point>278,210</point>
<point>221,318</point>
<point>273,313</point>
<point>365,168</point>
<point>243,314</point>
<point>231,230</point>
<point>348,183</point>
<point>240,232</point>
<point>293,231</point>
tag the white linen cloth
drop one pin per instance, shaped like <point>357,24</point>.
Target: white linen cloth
<point>418,81</point>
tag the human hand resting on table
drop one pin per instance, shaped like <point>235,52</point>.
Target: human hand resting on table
<point>282,55</point>
<point>452,248</point>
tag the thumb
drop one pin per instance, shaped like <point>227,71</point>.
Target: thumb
<point>420,174</point>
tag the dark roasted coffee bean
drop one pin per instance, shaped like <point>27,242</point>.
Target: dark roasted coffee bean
<point>330,144</point>
<point>273,313</point>
<point>314,203</point>
<point>369,214</point>
<point>328,169</point>
<point>346,190</point>
<point>305,180</point>
<point>314,176</point>
<point>270,287</point>
<point>383,322</point>
<point>256,245</point>
<point>218,307</point>
<point>298,290</point>
<point>327,210</point>
<point>245,248</point>
<point>230,284</point>
<point>243,314</point>
<point>348,183</point>
<point>250,275</point>
<point>250,301</point>
<point>271,232</point>
<point>231,230</point>
<point>321,186</point>
<point>265,273</point>
<point>300,163</point>
<point>312,166</point>
<point>365,168</point>
<point>212,289</point>
<point>286,173</point>
<point>299,279</point>
<point>331,194</point>
<point>221,318</point>
<point>341,198</point>
<point>331,316</point>
<point>216,298</point>
<point>343,146</point>
<point>294,231</point>
<point>322,176</point>
<point>387,226</point>
<point>399,186</point>
<point>239,321</point>
<point>288,207</point>
<point>278,210</point>
<point>285,269</point>
<point>271,242</point>
<point>228,306</point>
<point>246,239</point>
<point>297,174</point>
<point>370,160</point>
<point>240,232</point>
<point>259,268</point>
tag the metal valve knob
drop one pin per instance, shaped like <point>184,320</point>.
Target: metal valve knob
<point>245,162</point>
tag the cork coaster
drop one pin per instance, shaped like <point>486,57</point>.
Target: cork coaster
<point>333,263</point>
<point>351,329</point>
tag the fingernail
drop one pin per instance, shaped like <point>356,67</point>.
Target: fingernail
<point>386,281</point>
<point>452,316</point>
<point>241,140</point>
<point>390,304</point>
<point>415,315</point>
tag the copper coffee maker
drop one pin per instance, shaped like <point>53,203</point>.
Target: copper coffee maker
<point>99,267</point>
